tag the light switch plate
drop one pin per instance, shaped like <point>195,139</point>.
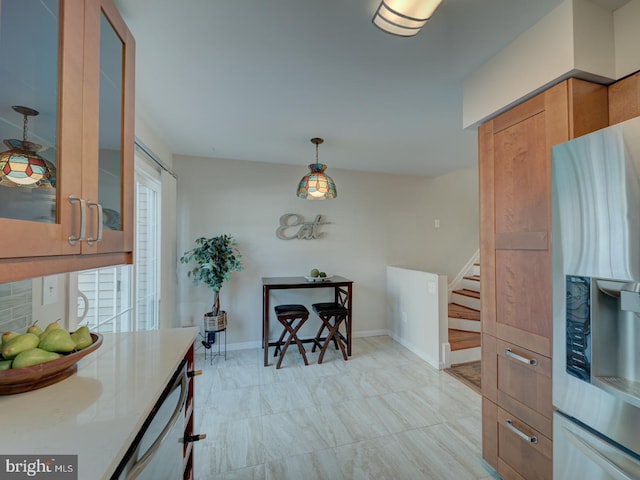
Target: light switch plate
<point>49,290</point>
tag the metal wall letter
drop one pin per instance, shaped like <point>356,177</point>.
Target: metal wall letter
<point>306,230</point>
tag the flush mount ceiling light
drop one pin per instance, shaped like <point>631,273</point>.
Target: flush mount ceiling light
<point>404,18</point>
<point>21,166</point>
<point>316,185</point>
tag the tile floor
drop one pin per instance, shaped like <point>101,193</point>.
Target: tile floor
<point>384,414</point>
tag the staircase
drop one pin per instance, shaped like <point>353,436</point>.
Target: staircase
<point>464,318</point>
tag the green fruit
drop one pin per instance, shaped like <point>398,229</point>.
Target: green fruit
<point>6,336</point>
<point>322,274</point>
<point>35,329</point>
<point>5,364</point>
<point>52,326</point>
<point>82,337</point>
<point>34,356</point>
<point>19,344</point>
<point>57,340</point>
<point>314,272</point>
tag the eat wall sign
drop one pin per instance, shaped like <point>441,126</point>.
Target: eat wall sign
<point>292,225</point>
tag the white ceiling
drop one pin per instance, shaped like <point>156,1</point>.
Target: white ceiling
<point>256,79</point>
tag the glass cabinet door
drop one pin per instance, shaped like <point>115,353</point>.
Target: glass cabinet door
<point>109,147</point>
<point>40,117</point>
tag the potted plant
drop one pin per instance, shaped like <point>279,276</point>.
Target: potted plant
<point>214,258</point>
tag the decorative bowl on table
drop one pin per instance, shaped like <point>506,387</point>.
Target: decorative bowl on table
<point>317,279</point>
<point>25,379</point>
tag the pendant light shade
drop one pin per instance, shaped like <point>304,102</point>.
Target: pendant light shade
<point>316,185</point>
<point>21,166</point>
<point>404,18</point>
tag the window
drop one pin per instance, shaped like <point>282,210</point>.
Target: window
<point>126,298</point>
<point>147,249</point>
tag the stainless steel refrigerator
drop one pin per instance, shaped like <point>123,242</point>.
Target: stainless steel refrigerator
<point>596,305</point>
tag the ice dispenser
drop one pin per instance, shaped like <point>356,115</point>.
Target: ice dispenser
<point>603,334</point>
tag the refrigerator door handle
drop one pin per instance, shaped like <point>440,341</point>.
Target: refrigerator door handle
<point>599,457</point>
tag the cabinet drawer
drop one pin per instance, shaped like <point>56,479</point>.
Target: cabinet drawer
<point>525,376</point>
<point>523,449</point>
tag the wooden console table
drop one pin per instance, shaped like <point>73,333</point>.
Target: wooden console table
<point>342,294</point>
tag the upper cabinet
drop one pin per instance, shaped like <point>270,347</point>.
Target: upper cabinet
<point>66,122</point>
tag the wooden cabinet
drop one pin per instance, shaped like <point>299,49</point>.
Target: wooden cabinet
<point>624,99</point>
<point>83,217</point>
<point>515,256</point>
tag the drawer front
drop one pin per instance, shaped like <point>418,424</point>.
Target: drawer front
<point>525,376</point>
<point>523,449</point>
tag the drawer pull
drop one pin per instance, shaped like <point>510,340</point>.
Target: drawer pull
<point>520,358</point>
<point>520,433</point>
<point>91,240</point>
<point>83,220</point>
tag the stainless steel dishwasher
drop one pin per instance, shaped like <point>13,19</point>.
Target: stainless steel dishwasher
<point>157,451</point>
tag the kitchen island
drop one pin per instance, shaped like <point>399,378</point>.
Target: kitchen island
<point>97,412</point>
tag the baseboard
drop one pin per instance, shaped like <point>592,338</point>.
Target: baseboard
<point>258,344</point>
<point>423,356</point>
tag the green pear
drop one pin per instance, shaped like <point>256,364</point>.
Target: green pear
<point>57,340</point>
<point>82,337</point>
<point>52,326</point>
<point>20,343</point>
<point>33,356</point>
<point>314,272</point>
<point>6,336</point>
<point>35,329</point>
<point>5,364</point>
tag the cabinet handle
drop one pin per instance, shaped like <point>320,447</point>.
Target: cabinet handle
<point>91,240</point>
<point>83,220</point>
<point>194,373</point>
<point>520,433</point>
<point>520,358</point>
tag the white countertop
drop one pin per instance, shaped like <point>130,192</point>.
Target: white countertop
<point>96,412</point>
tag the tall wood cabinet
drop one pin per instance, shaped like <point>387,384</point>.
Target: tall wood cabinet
<point>515,256</point>
<point>73,62</point>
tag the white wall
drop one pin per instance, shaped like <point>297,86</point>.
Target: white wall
<point>451,199</point>
<point>417,312</point>
<point>377,220</point>
<point>627,38</point>
<point>575,39</point>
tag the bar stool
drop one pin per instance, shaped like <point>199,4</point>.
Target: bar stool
<point>328,312</point>
<point>287,316</point>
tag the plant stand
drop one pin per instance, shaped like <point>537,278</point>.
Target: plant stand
<point>219,353</point>
<point>214,324</point>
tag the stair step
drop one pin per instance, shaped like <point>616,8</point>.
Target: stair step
<point>468,293</point>
<point>476,269</point>
<point>460,340</point>
<point>471,282</point>
<point>466,297</point>
<point>466,313</point>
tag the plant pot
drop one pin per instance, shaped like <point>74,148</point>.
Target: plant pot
<point>213,323</point>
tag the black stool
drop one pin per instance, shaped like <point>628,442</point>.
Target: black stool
<point>287,316</point>
<point>327,312</point>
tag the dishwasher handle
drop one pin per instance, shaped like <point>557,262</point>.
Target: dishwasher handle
<point>139,466</point>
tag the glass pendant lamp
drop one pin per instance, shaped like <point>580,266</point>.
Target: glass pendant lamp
<point>317,185</point>
<point>21,166</point>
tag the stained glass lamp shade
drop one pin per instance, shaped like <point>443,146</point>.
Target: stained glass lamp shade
<point>21,166</point>
<point>316,185</point>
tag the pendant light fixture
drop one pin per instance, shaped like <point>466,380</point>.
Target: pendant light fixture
<point>316,185</point>
<point>404,18</point>
<point>21,166</point>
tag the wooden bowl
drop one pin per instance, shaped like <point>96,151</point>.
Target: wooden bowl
<point>31,378</point>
